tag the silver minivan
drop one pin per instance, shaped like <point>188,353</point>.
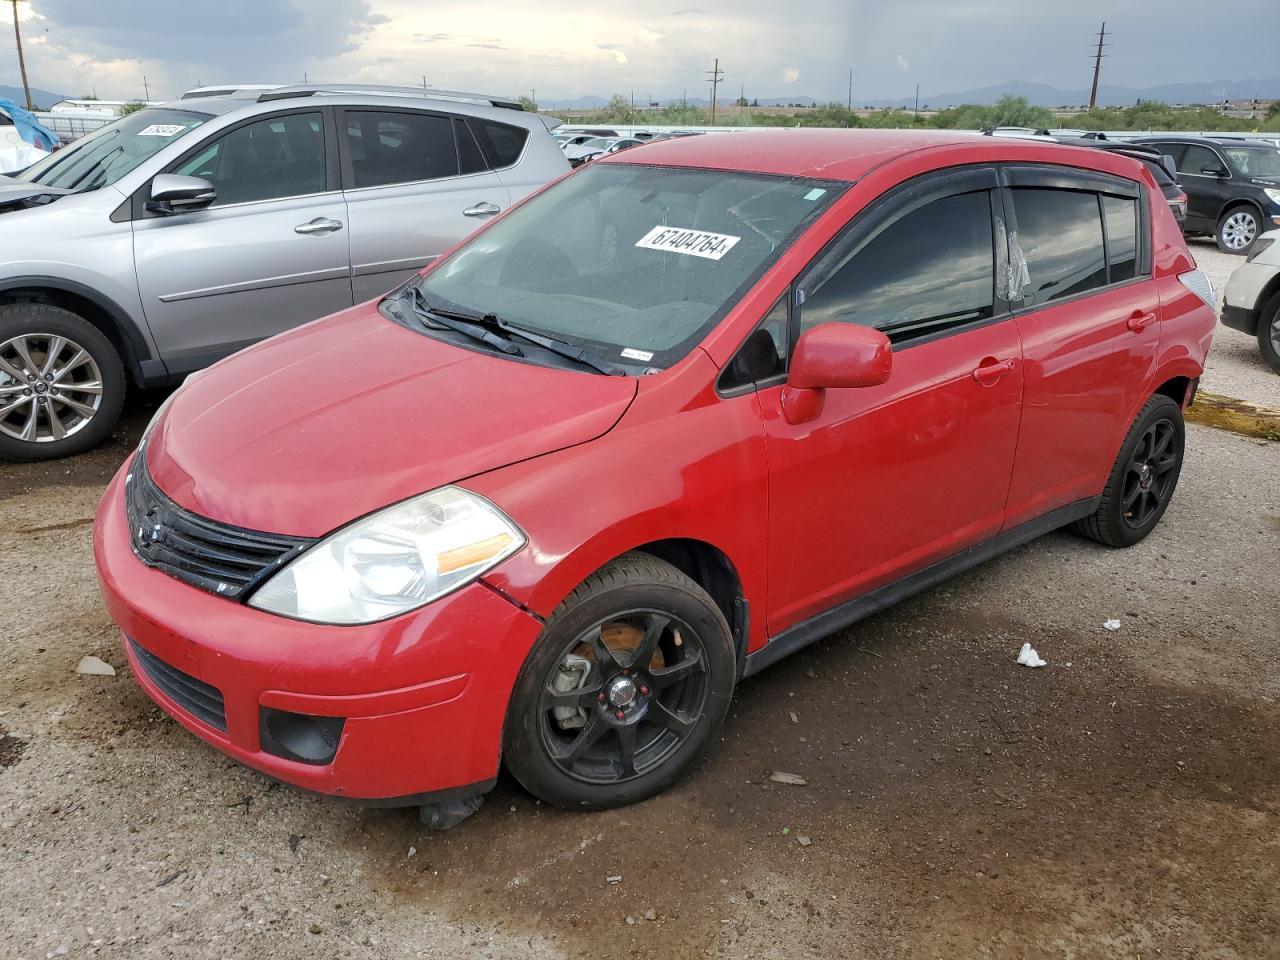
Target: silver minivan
<point>184,232</point>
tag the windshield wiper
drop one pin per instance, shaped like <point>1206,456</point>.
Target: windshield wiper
<point>468,329</point>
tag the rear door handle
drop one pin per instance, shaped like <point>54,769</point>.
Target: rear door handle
<point>991,372</point>
<point>482,210</point>
<point>319,225</point>
<point>1139,321</point>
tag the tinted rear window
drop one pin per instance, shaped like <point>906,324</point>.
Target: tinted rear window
<point>1060,232</point>
<point>501,143</point>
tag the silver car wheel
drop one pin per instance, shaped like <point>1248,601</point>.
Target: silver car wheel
<point>1238,230</point>
<point>50,388</point>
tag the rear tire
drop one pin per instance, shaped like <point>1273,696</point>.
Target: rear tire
<point>62,384</point>
<point>1269,333</point>
<point>1143,478</point>
<point>1238,229</point>
<point>588,731</point>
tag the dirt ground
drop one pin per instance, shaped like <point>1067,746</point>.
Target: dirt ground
<point>1122,802</point>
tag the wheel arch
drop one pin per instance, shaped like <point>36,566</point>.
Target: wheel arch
<point>106,315</point>
<point>1235,203</point>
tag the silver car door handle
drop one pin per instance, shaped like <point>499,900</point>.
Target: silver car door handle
<point>318,225</point>
<point>482,210</point>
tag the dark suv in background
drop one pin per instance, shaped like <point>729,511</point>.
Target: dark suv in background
<point>1151,157</point>
<point>1233,186</point>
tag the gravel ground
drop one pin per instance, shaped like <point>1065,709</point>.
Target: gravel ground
<point>1235,368</point>
<point>1122,802</point>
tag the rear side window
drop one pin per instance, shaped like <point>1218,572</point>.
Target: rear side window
<point>388,147</point>
<point>1197,159</point>
<point>931,269</point>
<point>502,144</point>
<point>1120,214</point>
<point>470,160</point>
<point>1060,233</point>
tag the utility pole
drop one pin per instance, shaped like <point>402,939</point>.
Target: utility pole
<point>716,75</point>
<point>1097,66</point>
<point>146,90</point>
<point>917,110</point>
<point>22,63</point>
<point>533,95</point>
<point>850,89</point>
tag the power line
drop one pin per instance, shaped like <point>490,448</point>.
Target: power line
<point>1097,65</point>
<point>716,78</point>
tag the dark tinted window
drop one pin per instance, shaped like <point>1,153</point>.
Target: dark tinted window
<point>266,160</point>
<point>1159,172</point>
<point>399,147</point>
<point>763,354</point>
<point>930,269</point>
<point>501,144</point>
<point>1121,217</point>
<point>1197,158</point>
<point>1060,232</point>
<point>470,159</point>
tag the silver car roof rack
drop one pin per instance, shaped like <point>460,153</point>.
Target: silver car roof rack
<point>426,93</point>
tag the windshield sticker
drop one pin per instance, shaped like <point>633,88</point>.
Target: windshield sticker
<point>695,243</point>
<point>632,354</point>
<point>814,194</point>
<point>160,130</point>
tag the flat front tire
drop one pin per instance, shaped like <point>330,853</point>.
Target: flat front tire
<point>623,691</point>
<point>62,384</point>
<point>1143,478</point>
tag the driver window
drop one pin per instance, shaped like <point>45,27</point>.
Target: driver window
<point>266,160</point>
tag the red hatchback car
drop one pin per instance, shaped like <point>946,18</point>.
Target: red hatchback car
<point>669,420</point>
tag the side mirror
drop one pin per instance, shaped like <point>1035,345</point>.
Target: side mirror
<point>1213,171</point>
<point>172,194</point>
<point>830,356</point>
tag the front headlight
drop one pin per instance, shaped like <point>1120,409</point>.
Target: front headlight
<point>1273,193</point>
<point>394,560</point>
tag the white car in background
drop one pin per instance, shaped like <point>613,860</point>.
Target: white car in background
<point>579,152</point>
<point>1251,299</point>
<point>15,153</point>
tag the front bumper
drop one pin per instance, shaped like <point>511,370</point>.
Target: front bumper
<point>424,695</point>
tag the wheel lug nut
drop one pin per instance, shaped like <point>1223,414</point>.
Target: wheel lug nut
<point>600,696</point>
<point>619,714</point>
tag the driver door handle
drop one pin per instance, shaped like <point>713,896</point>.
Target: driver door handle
<point>482,210</point>
<point>1140,321</point>
<point>991,372</point>
<point>320,225</point>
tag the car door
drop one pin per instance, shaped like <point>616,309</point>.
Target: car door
<point>1088,319</point>
<point>269,254</point>
<point>1207,193</point>
<point>889,479</point>
<point>416,182</point>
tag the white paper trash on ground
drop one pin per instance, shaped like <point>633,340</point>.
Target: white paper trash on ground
<point>1112,625</point>
<point>1028,657</point>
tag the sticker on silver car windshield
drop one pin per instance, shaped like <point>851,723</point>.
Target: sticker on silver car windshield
<point>695,243</point>
<point>161,130</point>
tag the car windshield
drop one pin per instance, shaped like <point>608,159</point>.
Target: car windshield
<point>638,261</point>
<point>1255,161</point>
<point>598,142</point>
<point>107,154</point>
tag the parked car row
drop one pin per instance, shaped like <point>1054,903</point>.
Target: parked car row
<point>204,225</point>
<point>497,515</point>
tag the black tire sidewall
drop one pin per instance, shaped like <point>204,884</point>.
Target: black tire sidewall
<point>1158,408</point>
<point>523,751</point>
<point>1269,314</point>
<point>17,319</point>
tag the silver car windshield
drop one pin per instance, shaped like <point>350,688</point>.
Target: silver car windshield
<point>110,152</point>
<point>639,261</point>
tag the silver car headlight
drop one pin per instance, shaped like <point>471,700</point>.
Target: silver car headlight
<point>393,561</point>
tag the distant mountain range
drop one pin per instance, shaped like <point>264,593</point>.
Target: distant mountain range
<point>43,99</point>
<point>1038,94</point>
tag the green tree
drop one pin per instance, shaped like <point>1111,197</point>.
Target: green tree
<point>526,103</point>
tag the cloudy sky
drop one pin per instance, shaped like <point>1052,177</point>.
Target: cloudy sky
<point>567,48</point>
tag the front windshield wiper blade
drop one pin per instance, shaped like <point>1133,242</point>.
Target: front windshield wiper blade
<point>468,329</point>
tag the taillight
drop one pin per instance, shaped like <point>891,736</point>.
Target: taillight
<point>1198,282</point>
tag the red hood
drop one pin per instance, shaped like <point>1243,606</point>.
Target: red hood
<point>313,428</point>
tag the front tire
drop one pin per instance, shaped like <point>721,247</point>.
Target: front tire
<point>1143,478</point>
<point>1237,230</point>
<point>624,690</point>
<point>62,384</point>
<point>1269,333</point>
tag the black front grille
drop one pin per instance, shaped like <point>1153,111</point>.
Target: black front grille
<point>194,696</point>
<point>222,559</point>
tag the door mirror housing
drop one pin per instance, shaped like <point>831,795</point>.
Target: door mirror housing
<point>831,356</point>
<point>171,193</point>
<point>1214,171</point>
